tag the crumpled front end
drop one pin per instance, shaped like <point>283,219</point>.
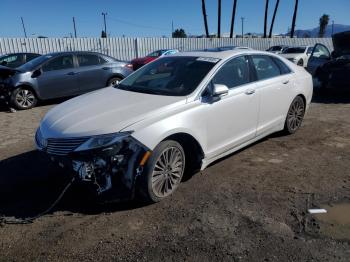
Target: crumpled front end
<point>110,171</point>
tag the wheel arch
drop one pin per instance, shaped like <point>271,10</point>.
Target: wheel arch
<point>114,75</point>
<point>193,149</point>
<point>29,86</point>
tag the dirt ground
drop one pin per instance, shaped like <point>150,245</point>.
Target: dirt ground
<point>250,206</point>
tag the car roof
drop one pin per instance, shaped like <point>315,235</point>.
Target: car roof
<point>21,53</point>
<point>222,54</point>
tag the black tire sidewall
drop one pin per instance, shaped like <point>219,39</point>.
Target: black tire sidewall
<point>109,82</point>
<point>145,189</point>
<point>13,101</point>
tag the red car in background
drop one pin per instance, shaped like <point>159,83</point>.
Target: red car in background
<point>139,62</point>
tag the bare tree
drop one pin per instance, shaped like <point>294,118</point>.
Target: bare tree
<point>205,18</point>
<point>294,18</point>
<point>265,19</point>
<point>219,18</point>
<point>233,17</point>
<point>273,18</point>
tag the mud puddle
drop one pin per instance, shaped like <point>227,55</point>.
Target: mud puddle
<point>336,222</point>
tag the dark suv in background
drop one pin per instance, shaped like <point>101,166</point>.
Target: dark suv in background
<point>60,75</point>
<point>17,59</point>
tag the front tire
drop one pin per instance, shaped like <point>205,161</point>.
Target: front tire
<point>295,116</point>
<point>163,172</point>
<point>23,98</point>
<point>300,62</point>
<point>114,81</point>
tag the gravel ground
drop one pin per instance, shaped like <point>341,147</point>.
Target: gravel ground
<point>250,206</point>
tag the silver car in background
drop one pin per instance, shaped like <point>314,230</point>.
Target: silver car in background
<point>61,74</point>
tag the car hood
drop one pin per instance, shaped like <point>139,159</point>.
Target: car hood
<point>105,111</point>
<point>6,72</point>
<point>341,43</point>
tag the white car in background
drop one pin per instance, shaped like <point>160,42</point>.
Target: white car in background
<point>178,113</point>
<point>298,54</point>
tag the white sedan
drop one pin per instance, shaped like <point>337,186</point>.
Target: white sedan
<point>177,114</point>
<point>298,55</point>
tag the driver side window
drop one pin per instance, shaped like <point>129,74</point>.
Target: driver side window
<point>234,73</point>
<point>59,63</point>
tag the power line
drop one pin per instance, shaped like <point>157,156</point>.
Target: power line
<point>137,25</point>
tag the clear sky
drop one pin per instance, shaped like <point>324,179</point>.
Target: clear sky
<point>153,17</point>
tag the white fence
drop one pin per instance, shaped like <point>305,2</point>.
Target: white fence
<point>129,48</point>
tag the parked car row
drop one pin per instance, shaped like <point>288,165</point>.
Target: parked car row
<point>328,69</point>
<point>26,78</point>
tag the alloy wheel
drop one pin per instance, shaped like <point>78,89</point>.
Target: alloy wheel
<point>168,171</point>
<point>295,115</point>
<point>25,98</point>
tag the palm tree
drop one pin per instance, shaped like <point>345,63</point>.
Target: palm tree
<point>265,20</point>
<point>273,18</point>
<point>219,18</point>
<point>324,19</point>
<point>294,18</point>
<point>233,17</point>
<point>205,18</point>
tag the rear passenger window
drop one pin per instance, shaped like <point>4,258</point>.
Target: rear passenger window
<point>283,67</point>
<point>265,67</point>
<point>233,73</point>
<point>88,60</point>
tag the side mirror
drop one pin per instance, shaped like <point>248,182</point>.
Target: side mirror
<point>220,90</point>
<point>36,73</point>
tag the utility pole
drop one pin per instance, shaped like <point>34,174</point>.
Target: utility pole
<point>104,20</point>
<point>24,28</point>
<point>75,29</point>
<point>242,18</point>
<point>332,27</point>
<point>172,28</point>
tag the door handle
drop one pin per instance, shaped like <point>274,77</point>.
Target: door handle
<point>71,73</point>
<point>106,68</point>
<point>249,92</point>
<point>285,82</point>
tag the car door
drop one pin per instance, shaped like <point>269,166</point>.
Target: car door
<point>232,119</point>
<point>320,55</point>
<point>58,78</point>
<point>274,86</point>
<point>90,72</point>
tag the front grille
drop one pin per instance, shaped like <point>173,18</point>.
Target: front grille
<point>63,146</point>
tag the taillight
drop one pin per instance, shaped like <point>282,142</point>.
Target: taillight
<point>129,66</point>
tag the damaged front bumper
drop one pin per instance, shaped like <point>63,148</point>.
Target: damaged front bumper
<point>110,171</point>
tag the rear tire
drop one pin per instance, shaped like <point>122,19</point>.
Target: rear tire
<point>295,115</point>
<point>23,98</point>
<point>163,172</point>
<point>300,62</point>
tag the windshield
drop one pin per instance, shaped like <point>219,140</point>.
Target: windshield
<point>294,50</point>
<point>171,76</point>
<point>275,48</point>
<point>29,66</point>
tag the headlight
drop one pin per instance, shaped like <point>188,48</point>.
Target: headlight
<point>101,141</point>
